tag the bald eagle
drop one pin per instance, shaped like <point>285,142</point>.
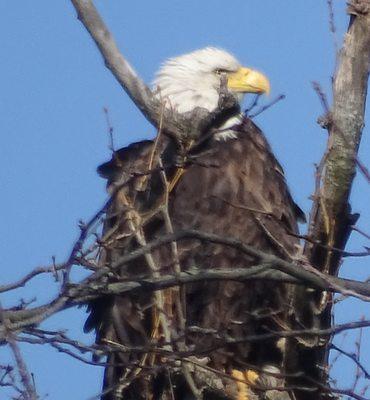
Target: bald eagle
<point>230,185</point>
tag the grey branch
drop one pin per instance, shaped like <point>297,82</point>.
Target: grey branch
<point>350,89</point>
<point>29,392</point>
<point>267,267</point>
<point>180,126</point>
<point>331,220</point>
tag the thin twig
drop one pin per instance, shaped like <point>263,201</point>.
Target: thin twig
<point>267,106</point>
<point>332,26</point>
<point>353,357</point>
<point>29,392</point>
<point>109,129</point>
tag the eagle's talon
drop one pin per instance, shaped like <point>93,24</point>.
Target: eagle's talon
<point>245,380</point>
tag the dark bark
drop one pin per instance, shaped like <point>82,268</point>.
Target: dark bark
<point>331,218</point>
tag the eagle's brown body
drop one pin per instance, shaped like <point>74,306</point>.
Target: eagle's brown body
<point>233,188</point>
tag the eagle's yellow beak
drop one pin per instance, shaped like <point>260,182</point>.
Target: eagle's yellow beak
<point>246,80</point>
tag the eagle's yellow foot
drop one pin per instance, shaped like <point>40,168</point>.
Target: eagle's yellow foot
<point>246,379</point>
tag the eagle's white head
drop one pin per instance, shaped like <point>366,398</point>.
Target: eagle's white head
<point>193,80</point>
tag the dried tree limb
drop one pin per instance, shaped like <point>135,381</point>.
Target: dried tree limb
<point>345,125</point>
<point>331,220</point>
<point>354,358</point>
<point>35,272</point>
<point>180,126</point>
<point>126,76</point>
<point>268,267</point>
<point>29,392</point>
<point>350,89</point>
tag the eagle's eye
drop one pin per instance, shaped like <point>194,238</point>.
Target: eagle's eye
<point>220,71</point>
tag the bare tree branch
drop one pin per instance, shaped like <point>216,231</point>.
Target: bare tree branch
<point>331,220</point>
<point>268,267</point>
<point>181,126</point>
<point>29,392</point>
<point>350,89</point>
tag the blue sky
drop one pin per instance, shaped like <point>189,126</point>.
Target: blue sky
<point>53,132</point>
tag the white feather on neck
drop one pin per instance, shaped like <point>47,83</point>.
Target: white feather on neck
<point>225,133</point>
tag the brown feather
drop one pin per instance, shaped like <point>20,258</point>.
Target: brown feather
<point>233,188</point>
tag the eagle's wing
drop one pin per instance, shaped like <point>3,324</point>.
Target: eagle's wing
<point>233,188</point>
<point>236,189</point>
<point>119,320</point>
